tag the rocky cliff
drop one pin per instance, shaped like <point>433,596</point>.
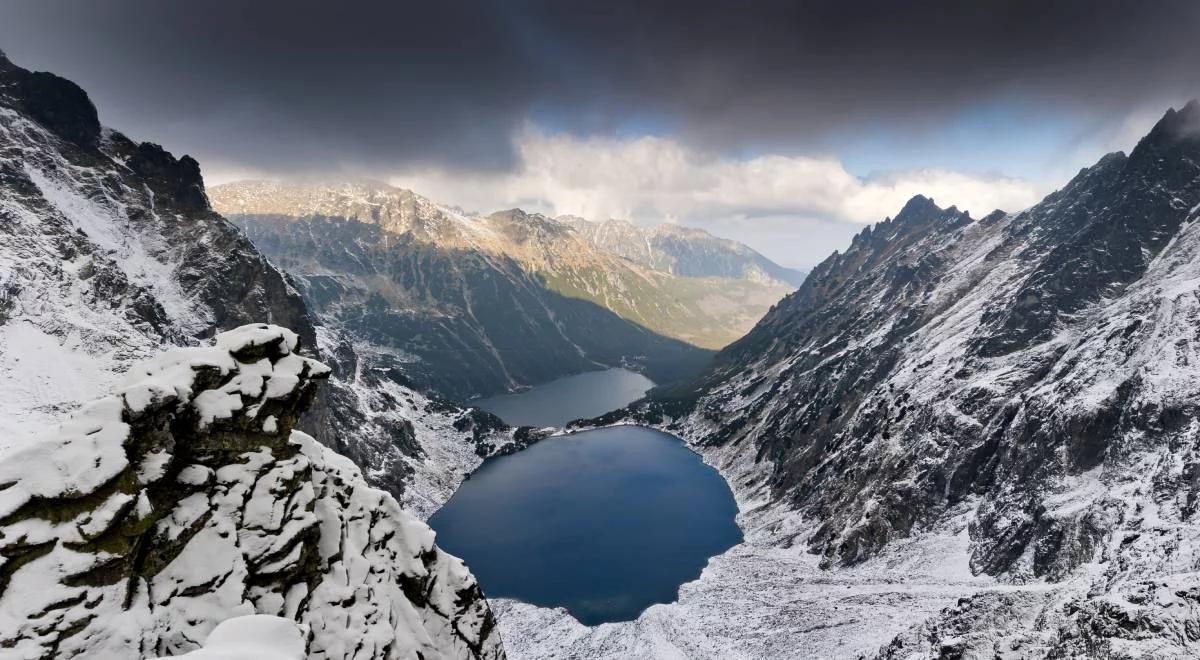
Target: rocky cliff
<point>109,246</point>
<point>187,497</point>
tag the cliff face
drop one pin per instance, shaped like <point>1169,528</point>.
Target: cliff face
<point>108,246</point>
<point>187,497</point>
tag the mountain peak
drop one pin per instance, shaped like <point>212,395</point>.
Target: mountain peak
<point>923,209</point>
<point>1190,112</point>
<point>1187,117</point>
<point>54,102</point>
<point>1174,127</point>
<point>918,205</point>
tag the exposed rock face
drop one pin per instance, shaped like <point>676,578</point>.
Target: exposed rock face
<point>187,498</point>
<point>1039,368</point>
<point>56,103</point>
<point>415,445</point>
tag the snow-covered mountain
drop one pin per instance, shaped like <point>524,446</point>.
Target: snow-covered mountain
<point>110,254</point>
<point>464,299</point>
<point>683,251</point>
<point>1010,401</point>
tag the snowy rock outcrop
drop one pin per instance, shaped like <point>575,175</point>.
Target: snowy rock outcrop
<point>252,637</point>
<point>187,498</point>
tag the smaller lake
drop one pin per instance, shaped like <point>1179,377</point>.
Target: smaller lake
<point>604,522</point>
<point>581,396</point>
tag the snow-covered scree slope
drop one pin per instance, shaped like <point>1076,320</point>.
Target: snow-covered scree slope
<point>415,445</point>
<point>1032,375</point>
<point>187,498</point>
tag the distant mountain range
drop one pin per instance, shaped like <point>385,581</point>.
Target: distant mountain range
<point>481,304</point>
<point>683,251</point>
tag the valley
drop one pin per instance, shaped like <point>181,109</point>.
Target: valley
<point>485,304</point>
<point>312,413</point>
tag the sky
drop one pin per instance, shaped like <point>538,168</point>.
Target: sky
<point>787,125</point>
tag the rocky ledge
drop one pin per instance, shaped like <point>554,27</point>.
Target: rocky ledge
<point>186,498</point>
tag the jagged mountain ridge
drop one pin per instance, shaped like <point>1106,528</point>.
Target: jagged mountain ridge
<point>110,253</point>
<point>109,245</point>
<point>683,251</point>
<point>462,291</point>
<point>1037,368</point>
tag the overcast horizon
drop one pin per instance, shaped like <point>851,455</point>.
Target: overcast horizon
<point>788,128</point>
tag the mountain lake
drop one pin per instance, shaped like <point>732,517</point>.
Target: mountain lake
<point>603,522</point>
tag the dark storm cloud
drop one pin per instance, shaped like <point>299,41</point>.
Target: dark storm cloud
<point>304,85</point>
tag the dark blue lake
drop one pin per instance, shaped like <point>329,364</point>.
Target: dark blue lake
<point>581,396</point>
<point>604,522</point>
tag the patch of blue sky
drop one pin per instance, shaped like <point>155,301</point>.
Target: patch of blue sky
<point>1004,137</point>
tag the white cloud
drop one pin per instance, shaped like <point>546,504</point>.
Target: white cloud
<point>652,179</point>
<point>794,209</point>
